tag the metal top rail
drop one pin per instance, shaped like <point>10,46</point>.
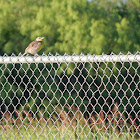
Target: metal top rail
<point>68,58</point>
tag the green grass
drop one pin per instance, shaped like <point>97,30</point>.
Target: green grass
<point>58,134</point>
<point>64,126</point>
<point>59,131</point>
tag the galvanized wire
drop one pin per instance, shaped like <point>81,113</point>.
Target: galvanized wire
<point>78,96</point>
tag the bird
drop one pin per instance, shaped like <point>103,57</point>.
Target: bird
<point>35,46</point>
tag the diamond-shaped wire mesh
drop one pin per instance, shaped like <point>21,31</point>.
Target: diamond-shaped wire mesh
<point>70,97</point>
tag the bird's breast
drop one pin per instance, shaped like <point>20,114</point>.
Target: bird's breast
<point>40,46</point>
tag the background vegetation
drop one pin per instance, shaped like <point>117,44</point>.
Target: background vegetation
<point>94,26</point>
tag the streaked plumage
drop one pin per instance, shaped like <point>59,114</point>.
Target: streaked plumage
<point>35,46</point>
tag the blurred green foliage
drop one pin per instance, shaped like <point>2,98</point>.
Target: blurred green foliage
<point>70,26</point>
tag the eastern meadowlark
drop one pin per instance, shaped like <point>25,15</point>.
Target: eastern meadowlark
<point>35,46</point>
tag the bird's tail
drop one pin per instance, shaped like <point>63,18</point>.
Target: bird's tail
<point>24,53</point>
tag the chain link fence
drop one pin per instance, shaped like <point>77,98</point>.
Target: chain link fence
<point>70,97</point>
